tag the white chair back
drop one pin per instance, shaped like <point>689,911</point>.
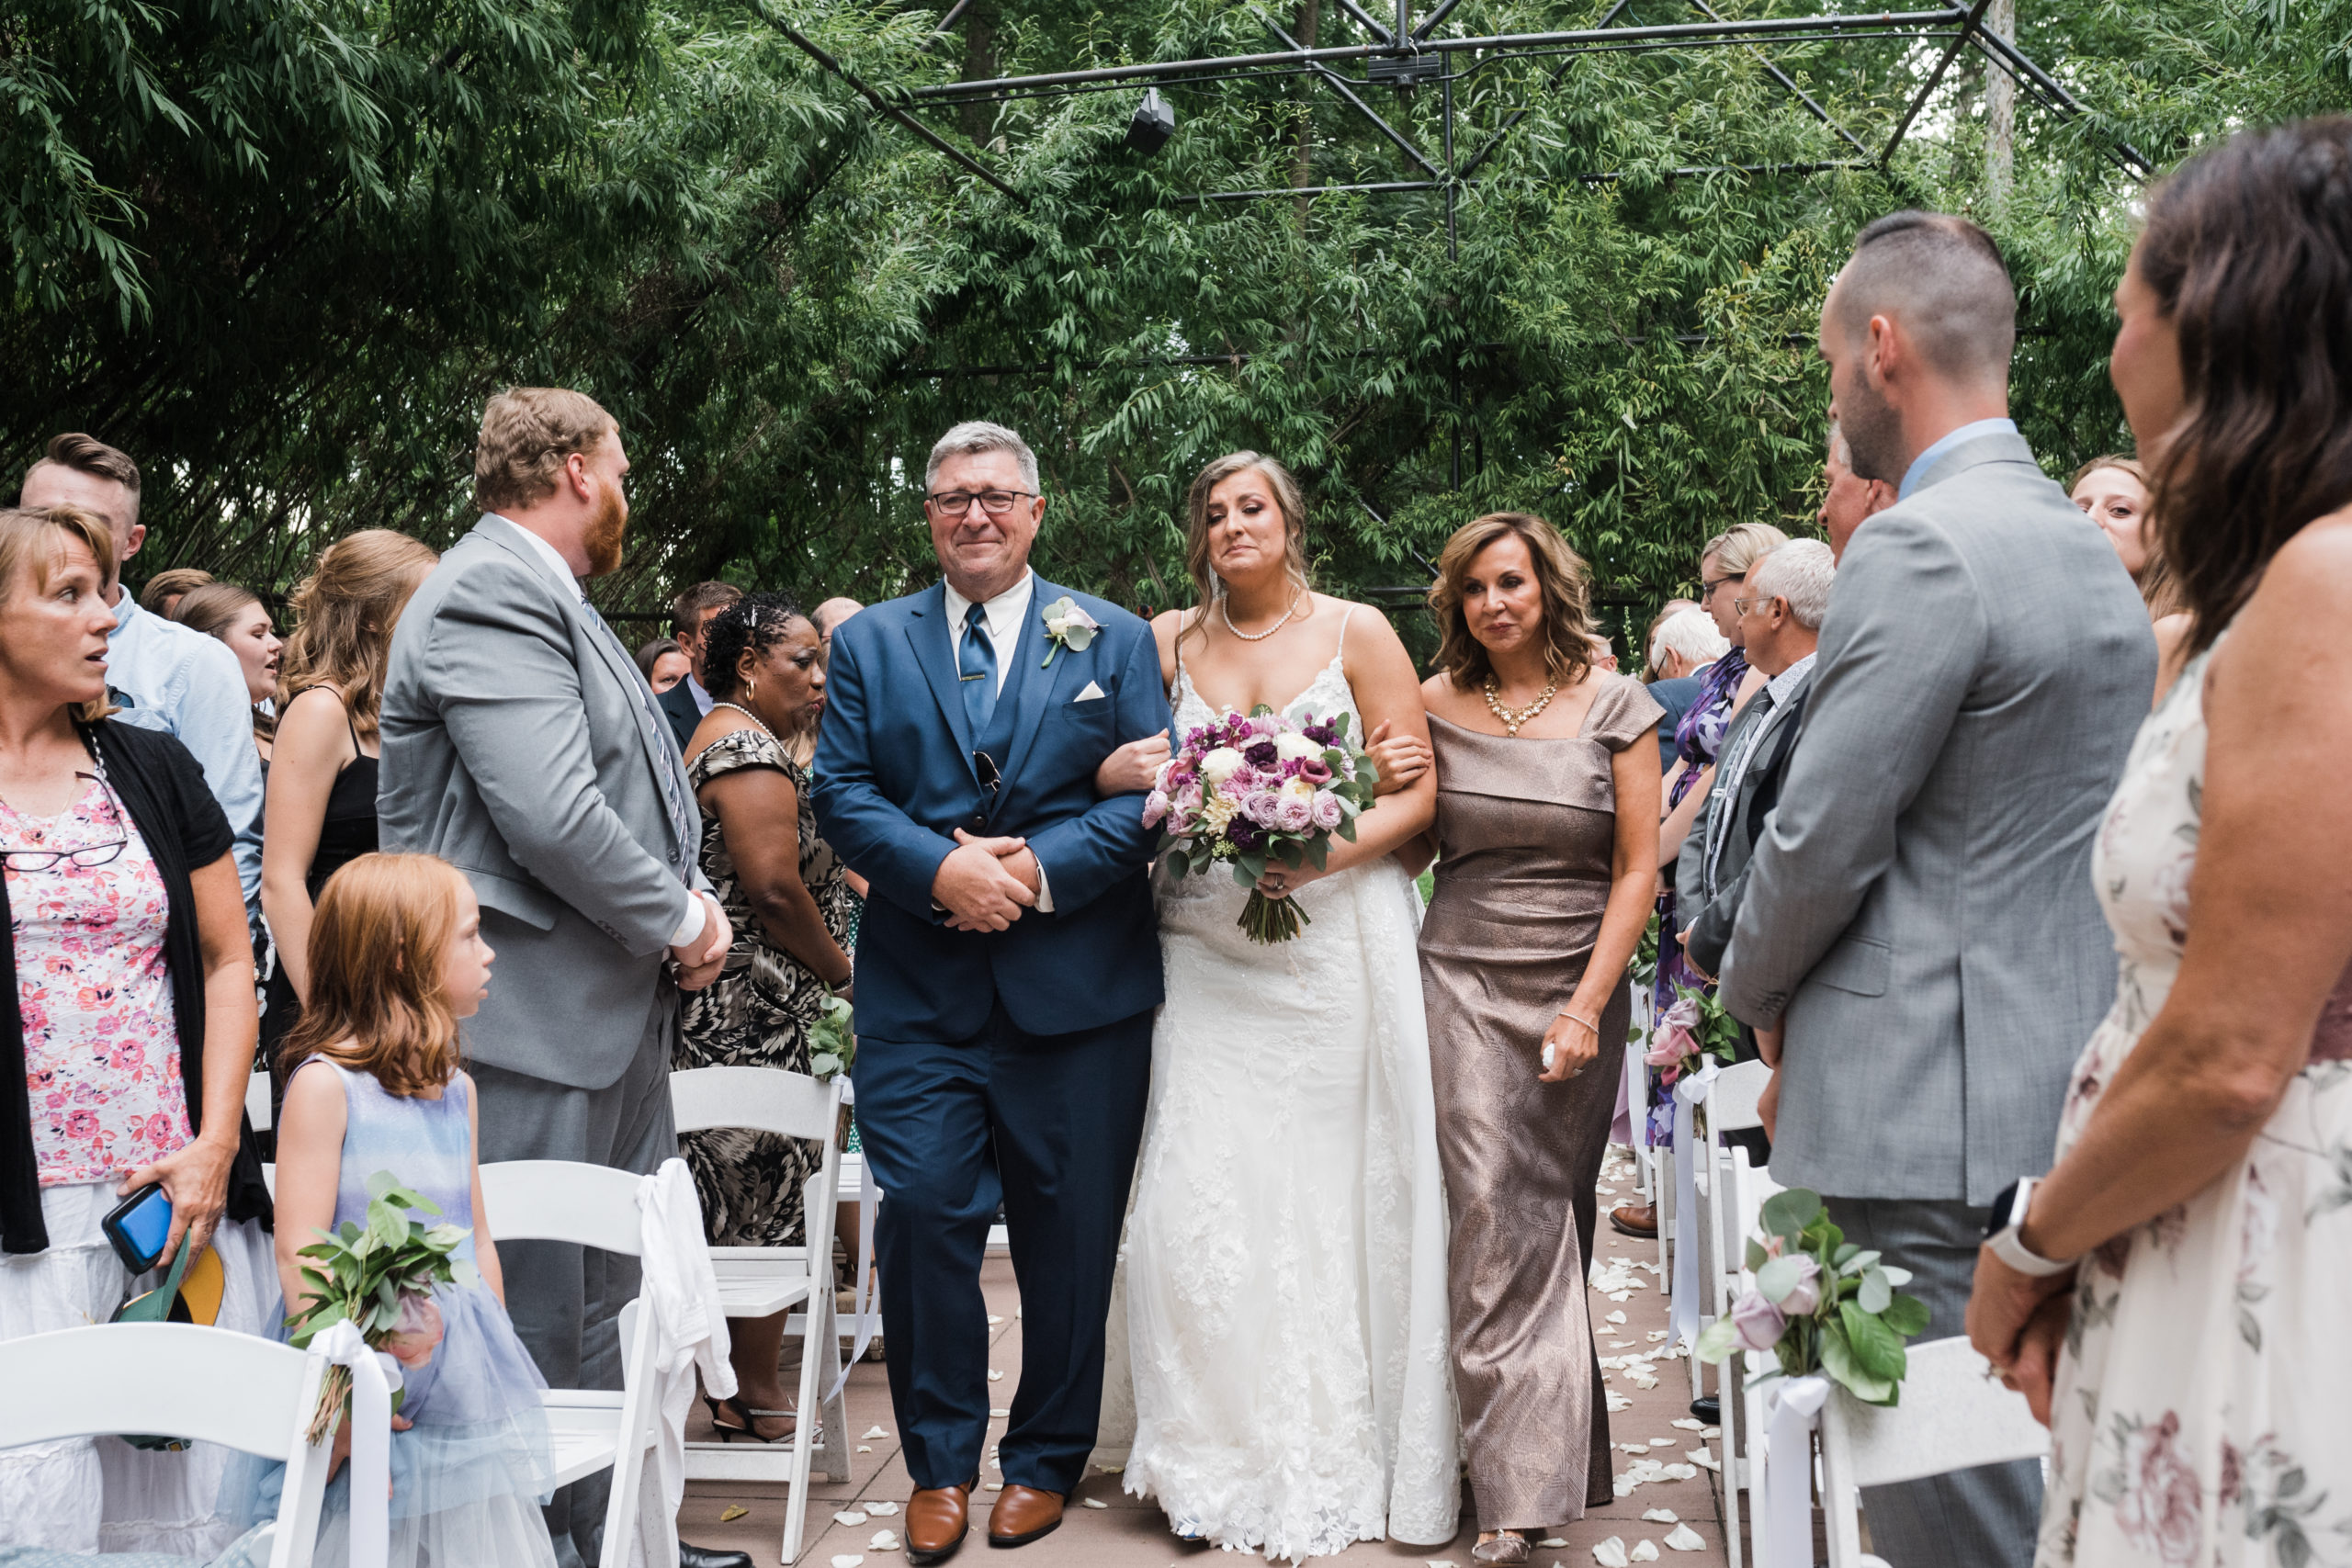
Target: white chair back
<point>768,1098</point>
<point>257,1102</point>
<point>209,1384</point>
<point>1953,1415</point>
<point>560,1200</point>
<point>1730,1104</point>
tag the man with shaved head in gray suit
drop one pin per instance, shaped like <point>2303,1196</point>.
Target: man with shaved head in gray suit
<point>1919,947</point>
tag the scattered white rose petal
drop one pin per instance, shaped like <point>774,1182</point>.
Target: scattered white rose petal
<point>1660,1515</point>
<point>1642,1380</point>
<point>853,1519</point>
<point>885,1509</point>
<point>1685,1538</point>
<point>1614,1317</point>
<point>1687,1423</point>
<point>1112,1469</point>
<point>1702,1457</point>
<point>874,1432</point>
<point>1093,1503</point>
<point>865,1448</point>
<point>883,1541</point>
<point>1611,1553</point>
<point>1000,1415</point>
<point>1661,1443</point>
<point>847,1561</point>
<point>993,1486</point>
<point>1619,1402</point>
<point>1659,1334</point>
<point>994,1320</point>
<point>1710,1431</point>
<point>1645,1551</point>
<point>995,1376</point>
<point>1625,1295</point>
<point>1552,1540</point>
<point>1681,1473</point>
<point>1439,1562</point>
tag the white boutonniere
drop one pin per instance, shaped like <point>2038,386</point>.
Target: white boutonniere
<point>1068,627</point>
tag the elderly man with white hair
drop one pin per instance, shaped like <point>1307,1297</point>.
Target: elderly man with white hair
<point>1780,622</point>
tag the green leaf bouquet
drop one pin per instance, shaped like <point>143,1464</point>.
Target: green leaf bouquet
<point>1821,1303</point>
<point>380,1275</point>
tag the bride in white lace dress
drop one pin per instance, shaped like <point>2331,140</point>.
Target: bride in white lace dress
<point>1285,1265</point>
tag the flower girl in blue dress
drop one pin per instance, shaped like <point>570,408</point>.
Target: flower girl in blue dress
<point>397,958</point>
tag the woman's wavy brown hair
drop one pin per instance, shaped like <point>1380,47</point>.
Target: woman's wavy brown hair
<point>1559,573</point>
<point>1287,496</point>
<point>32,545</point>
<point>378,935</point>
<point>2248,251</point>
<point>344,615</point>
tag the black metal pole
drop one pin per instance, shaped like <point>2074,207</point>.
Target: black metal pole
<point>1665,35</point>
<point>1935,78</point>
<point>1340,85</point>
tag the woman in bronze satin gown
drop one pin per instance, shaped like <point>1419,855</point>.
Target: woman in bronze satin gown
<point>1546,839</point>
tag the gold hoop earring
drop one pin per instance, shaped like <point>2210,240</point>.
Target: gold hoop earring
<point>751,691</point>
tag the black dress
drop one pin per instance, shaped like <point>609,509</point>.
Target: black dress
<point>348,832</point>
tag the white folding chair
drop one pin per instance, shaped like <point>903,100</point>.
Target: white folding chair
<point>209,1384</point>
<point>1730,1108</point>
<point>1953,1415</point>
<point>1745,1185</point>
<point>760,1282</point>
<point>592,1430</point>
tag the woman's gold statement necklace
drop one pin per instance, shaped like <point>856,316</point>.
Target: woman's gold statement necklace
<point>1511,721</point>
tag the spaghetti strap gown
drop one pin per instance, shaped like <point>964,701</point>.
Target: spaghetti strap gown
<point>1526,835</point>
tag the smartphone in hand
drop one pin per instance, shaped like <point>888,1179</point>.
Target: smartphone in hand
<point>138,1226</point>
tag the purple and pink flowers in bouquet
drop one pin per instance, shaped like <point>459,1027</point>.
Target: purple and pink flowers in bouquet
<point>1257,791</point>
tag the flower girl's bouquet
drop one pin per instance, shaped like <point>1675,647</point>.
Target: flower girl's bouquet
<point>1260,791</point>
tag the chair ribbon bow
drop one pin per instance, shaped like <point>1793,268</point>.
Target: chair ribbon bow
<point>374,1375</point>
<point>1688,1092</point>
<point>1792,1408</point>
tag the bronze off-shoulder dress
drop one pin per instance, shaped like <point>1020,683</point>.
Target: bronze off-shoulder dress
<point>1525,831</point>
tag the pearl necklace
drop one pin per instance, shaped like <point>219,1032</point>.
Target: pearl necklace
<point>747,713</point>
<point>1254,637</point>
<point>1511,720</point>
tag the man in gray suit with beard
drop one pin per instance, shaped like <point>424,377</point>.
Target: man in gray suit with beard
<point>1919,925</point>
<point>522,745</point>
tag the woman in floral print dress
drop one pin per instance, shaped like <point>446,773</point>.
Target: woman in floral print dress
<point>2195,1365</point>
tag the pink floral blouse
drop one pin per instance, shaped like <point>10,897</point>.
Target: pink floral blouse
<point>102,1054</point>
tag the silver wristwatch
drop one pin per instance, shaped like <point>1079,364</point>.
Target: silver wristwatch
<point>2001,1233</point>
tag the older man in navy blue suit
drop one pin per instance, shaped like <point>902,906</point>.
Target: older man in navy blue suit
<point>1006,976</point>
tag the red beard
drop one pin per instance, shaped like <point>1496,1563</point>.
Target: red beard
<point>603,544</point>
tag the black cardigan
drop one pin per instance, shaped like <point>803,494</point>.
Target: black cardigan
<point>162,789</point>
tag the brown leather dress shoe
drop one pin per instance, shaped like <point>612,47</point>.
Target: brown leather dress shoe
<point>937,1519</point>
<point>1022,1514</point>
<point>1636,1220</point>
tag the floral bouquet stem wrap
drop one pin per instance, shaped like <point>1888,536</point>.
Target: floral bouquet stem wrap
<point>381,1276</point>
<point>1821,1303</point>
<point>1257,791</point>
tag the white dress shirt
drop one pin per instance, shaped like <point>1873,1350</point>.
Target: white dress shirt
<point>690,925</point>
<point>695,690</point>
<point>1002,620</point>
<point>1735,766</point>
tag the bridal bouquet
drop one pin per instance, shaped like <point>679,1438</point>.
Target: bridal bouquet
<point>380,1276</point>
<point>1821,1303</point>
<point>1260,791</point>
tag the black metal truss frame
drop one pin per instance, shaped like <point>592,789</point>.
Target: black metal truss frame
<point>1400,49</point>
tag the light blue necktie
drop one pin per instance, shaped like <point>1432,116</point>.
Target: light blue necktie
<point>976,668</point>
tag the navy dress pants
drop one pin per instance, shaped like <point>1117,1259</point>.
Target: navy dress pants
<point>1048,1125</point>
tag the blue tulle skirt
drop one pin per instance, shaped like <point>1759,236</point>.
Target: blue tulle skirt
<point>472,1470</point>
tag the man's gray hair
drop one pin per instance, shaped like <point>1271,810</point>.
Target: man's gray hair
<point>1800,571</point>
<point>1943,277</point>
<point>1691,634</point>
<point>976,435</point>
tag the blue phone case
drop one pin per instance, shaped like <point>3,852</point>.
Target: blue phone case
<point>138,1226</point>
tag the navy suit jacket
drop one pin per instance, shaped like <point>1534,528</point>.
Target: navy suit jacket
<point>677,706</point>
<point>895,778</point>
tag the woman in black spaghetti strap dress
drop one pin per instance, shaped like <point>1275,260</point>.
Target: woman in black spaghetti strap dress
<point>320,810</point>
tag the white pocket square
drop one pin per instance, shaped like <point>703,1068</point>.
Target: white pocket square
<point>1093,693</point>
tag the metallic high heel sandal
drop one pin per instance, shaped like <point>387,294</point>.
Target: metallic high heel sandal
<point>734,1405</point>
<point>1509,1548</point>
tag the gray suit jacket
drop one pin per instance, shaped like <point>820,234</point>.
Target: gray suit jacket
<point>1707,906</point>
<point>522,745</point>
<point>1921,909</point>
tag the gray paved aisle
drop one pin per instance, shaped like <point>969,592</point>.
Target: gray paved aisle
<point>1129,1532</point>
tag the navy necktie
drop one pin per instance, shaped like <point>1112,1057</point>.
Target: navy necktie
<point>976,668</point>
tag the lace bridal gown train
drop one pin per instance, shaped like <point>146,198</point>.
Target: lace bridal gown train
<point>1285,1265</point>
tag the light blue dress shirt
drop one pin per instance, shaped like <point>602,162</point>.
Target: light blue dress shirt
<point>164,676</point>
<point>1927,459</point>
